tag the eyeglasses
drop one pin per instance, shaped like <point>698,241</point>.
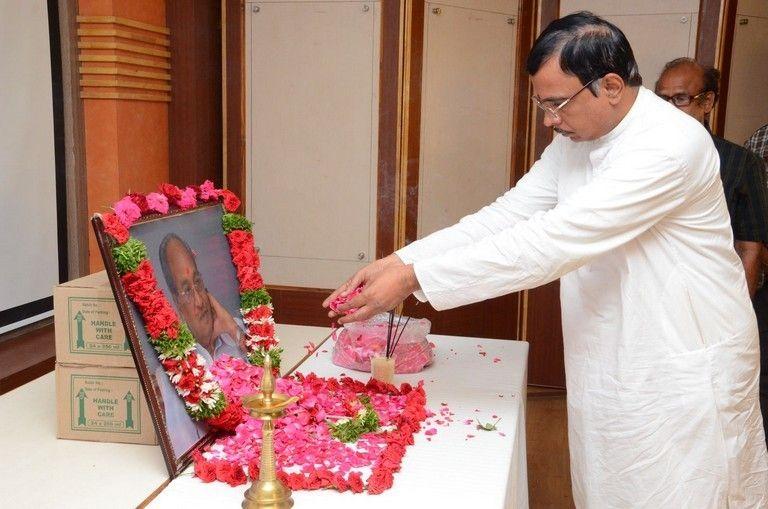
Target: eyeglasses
<point>187,291</point>
<point>554,108</point>
<point>680,100</point>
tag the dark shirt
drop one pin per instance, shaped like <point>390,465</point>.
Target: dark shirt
<point>744,184</point>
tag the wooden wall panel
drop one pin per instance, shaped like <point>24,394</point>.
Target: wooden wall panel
<point>195,114</point>
<point>233,97</point>
<point>496,318</point>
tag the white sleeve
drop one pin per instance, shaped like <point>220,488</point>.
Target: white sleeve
<point>626,199</point>
<point>536,191</point>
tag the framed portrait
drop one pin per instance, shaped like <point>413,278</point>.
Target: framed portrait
<point>191,259</point>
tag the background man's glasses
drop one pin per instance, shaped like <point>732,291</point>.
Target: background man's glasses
<point>554,108</point>
<point>682,99</point>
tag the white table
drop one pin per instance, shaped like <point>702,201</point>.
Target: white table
<point>485,471</point>
<point>38,470</point>
<point>451,470</point>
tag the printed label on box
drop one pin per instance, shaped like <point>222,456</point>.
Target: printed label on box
<point>95,328</point>
<point>105,403</point>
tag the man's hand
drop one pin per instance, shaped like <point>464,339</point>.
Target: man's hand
<point>386,283</point>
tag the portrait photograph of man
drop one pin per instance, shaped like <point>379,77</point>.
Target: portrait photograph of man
<point>193,267</point>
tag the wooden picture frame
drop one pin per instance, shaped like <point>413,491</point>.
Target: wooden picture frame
<point>201,231</point>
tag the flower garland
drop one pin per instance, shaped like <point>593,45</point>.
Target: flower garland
<point>308,456</point>
<point>171,338</point>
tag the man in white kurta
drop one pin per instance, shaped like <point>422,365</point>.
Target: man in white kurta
<point>661,343</point>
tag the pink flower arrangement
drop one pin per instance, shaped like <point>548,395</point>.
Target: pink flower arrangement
<point>307,456</point>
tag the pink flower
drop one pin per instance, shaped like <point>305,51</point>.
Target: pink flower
<point>157,202</point>
<point>187,200</point>
<point>127,211</point>
<point>208,192</point>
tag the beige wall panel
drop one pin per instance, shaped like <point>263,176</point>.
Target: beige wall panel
<point>313,116</point>
<point>747,108</point>
<point>606,7</point>
<point>657,31</point>
<point>644,32</point>
<point>500,6</point>
<point>469,59</point>
<point>757,8</point>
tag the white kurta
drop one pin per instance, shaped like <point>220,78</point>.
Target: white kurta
<point>661,343</point>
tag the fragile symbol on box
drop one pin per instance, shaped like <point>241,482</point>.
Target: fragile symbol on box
<point>93,329</point>
<point>105,403</point>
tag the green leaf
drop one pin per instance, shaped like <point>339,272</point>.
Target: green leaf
<point>257,358</point>
<point>253,298</point>
<point>232,222</point>
<point>206,411</point>
<point>128,256</point>
<point>487,426</point>
<point>350,430</point>
<point>174,348</point>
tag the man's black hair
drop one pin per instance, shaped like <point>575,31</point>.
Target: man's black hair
<point>709,75</point>
<point>172,237</point>
<point>589,48</point>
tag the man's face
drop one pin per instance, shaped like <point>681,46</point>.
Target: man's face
<point>191,295</point>
<point>584,117</point>
<point>687,80</point>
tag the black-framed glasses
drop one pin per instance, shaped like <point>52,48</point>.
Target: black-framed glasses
<point>680,100</point>
<point>554,108</point>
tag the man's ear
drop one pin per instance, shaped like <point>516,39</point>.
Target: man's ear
<point>613,87</point>
<point>708,102</point>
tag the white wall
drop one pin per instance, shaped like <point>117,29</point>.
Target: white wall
<point>28,242</point>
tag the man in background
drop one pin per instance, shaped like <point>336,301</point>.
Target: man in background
<point>693,88</point>
<point>758,143</point>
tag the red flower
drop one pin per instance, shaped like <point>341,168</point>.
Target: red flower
<point>231,201</point>
<point>236,476</point>
<point>355,482</point>
<point>230,417</point>
<point>254,469</point>
<point>381,480</point>
<point>266,344</point>
<point>205,471</point>
<point>263,330</point>
<point>140,201</point>
<point>187,382</point>
<point>172,192</point>
<point>115,228</point>
<point>259,313</point>
<point>340,483</point>
<point>249,279</point>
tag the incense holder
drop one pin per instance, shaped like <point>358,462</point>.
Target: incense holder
<point>383,369</point>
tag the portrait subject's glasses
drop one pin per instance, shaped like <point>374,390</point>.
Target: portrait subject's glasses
<point>553,108</point>
<point>187,291</point>
<point>682,99</point>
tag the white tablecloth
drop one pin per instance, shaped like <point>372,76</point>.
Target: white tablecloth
<point>486,470</point>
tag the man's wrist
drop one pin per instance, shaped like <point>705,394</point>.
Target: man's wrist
<point>411,281</point>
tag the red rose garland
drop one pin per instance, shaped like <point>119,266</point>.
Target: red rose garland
<point>171,338</point>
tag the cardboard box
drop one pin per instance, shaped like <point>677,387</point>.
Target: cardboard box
<point>102,404</point>
<point>88,326</point>
<point>98,391</point>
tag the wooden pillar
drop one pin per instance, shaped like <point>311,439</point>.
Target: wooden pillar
<point>124,63</point>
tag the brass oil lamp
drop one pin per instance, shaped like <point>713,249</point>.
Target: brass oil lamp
<point>267,405</point>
